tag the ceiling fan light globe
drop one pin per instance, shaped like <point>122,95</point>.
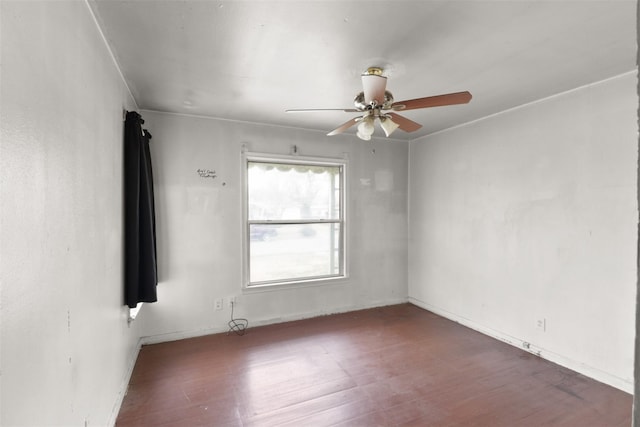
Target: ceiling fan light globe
<point>363,137</point>
<point>388,125</point>
<point>366,126</point>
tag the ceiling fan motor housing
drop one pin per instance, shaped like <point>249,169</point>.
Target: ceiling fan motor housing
<point>361,105</point>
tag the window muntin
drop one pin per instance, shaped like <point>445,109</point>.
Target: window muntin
<point>294,210</point>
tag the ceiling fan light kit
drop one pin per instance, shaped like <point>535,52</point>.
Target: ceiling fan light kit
<point>375,103</point>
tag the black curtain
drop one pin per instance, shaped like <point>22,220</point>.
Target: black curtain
<point>140,255</point>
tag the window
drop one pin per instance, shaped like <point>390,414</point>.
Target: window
<point>294,220</point>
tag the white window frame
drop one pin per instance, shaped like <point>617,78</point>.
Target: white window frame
<point>342,220</point>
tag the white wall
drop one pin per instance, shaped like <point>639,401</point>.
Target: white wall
<point>200,225</point>
<point>531,214</point>
<point>66,348</point>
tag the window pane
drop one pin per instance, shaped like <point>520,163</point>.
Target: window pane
<point>293,192</point>
<point>290,252</point>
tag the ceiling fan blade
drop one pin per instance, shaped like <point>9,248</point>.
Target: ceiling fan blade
<point>317,110</point>
<point>432,101</point>
<point>374,87</point>
<point>404,123</point>
<point>344,126</point>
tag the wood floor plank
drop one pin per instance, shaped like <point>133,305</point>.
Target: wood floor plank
<point>390,366</point>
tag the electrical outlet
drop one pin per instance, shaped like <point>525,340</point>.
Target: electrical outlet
<point>542,324</point>
<point>232,301</point>
<point>218,304</point>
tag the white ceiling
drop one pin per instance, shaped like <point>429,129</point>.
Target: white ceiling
<point>252,60</point>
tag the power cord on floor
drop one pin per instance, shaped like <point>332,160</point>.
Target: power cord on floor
<point>238,326</point>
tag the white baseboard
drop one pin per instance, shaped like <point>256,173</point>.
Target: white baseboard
<point>574,365</point>
<point>175,336</point>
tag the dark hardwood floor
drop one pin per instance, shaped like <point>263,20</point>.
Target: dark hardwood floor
<point>390,366</point>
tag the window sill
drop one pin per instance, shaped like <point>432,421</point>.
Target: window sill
<point>268,287</point>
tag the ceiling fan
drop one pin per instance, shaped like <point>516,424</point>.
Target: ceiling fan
<point>375,103</point>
